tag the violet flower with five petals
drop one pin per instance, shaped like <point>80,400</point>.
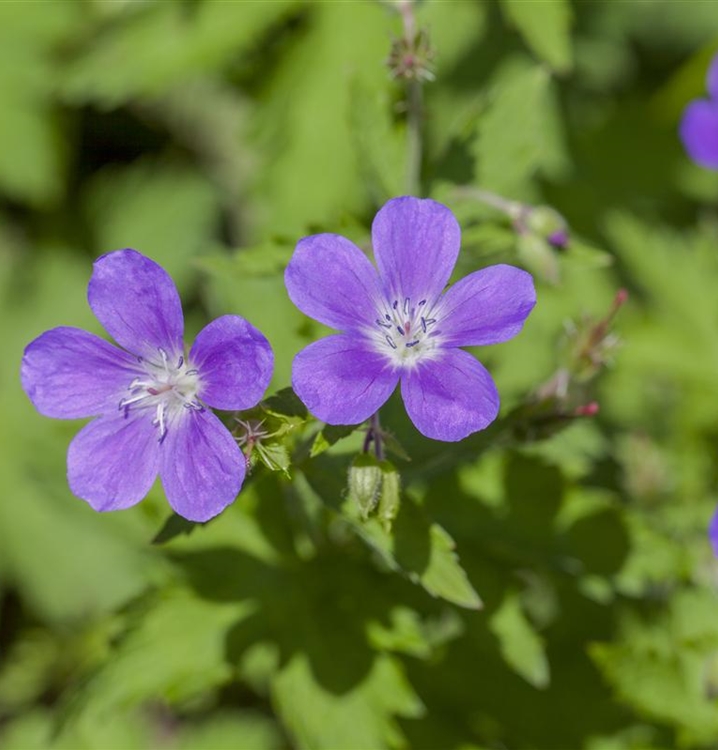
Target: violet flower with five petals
<point>699,125</point>
<point>399,325</point>
<point>149,399</point>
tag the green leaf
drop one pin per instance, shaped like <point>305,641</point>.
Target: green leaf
<point>29,731</point>
<point>393,446</point>
<point>225,730</point>
<point>380,145</point>
<point>33,159</point>
<point>658,665</point>
<point>328,436</point>
<point>144,50</point>
<point>361,717</point>
<point>405,633</point>
<point>522,648</point>
<point>27,669</point>
<point>274,455</point>
<point>319,152</point>
<point>443,575</point>
<point>173,650</point>
<point>37,730</point>
<point>261,298</point>
<point>545,27</point>
<point>175,525</point>
<point>285,403</point>
<point>508,150</point>
<point>423,550</point>
<point>267,259</point>
<point>583,255</point>
<point>666,372</point>
<point>164,210</point>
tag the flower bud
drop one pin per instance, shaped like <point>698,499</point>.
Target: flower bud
<point>364,483</point>
<point>587,410</point>
<point>538,257</point>
<point>548,224</point>
<point>388,507</point>
<point>411,58</point>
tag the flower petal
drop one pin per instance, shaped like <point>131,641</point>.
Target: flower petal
<point>712,78</point>
<point>202,466</point>
<point>416,244</point>
<point>450,397</point>
<point>713,533</point>
<point>699,132</point>
<point>69,373</point>
<point>331,280</point>
<point>486,307</point>
<point>113,461</point>
<point>137,302</point>
<point>235,362</point>
<point>341,382</point>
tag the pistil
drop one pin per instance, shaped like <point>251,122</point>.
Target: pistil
<point>166,388</point>
<point>407,329</point>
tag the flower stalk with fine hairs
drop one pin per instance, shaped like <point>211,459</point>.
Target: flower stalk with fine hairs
<point>410,60</point>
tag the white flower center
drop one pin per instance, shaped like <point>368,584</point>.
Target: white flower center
<point>406,331</point>
<point>166,388</point>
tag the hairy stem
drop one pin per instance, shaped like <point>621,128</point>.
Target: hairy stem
<point>513,209</point>
<point>414,106</point>
<point>413,136</point>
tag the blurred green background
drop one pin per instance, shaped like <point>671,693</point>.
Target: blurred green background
<point>211,136</point>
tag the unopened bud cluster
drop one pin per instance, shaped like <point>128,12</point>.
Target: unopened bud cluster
<point>589,347</point>
<point>591,344</point>
<point>411,58</point>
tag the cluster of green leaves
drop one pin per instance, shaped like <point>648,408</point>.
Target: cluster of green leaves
<point>546,583</point>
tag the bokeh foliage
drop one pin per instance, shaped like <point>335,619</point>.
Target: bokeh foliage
<point>212,135</point>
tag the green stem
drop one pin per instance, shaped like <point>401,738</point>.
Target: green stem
<point>513,209</point>
<point>414,108</point>
<point>373,434</point>
<point>414,116</point>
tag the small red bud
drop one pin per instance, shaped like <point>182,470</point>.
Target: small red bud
<point>587,410</point>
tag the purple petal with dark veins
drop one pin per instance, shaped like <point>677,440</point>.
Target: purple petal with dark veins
<point>137,303</point>
<point>202,467</point>
<point>69,373</point>
<point>331,280</point>
<point>416,244</point>
<point>235,363</point>
<point>113,461</point>
<point>486,307</point>
<point>341,381</point>
<point>450,397</point>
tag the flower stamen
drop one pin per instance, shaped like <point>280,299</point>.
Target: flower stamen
<point>166,388</point>
<point>406,330</point>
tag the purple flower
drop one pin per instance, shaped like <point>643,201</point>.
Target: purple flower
<point>400,326</point>
<point>149,398</point>
<point>699,126</point>
<point>713,533</point>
